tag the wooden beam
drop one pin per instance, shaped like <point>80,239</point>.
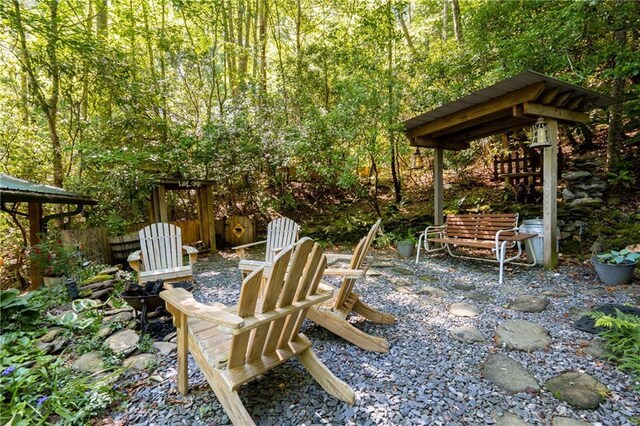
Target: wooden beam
<point>548,96</point>
<point>496,116</point>
<point>35,228</point>
<point>561,99</point>
<point>516,111</point>
<point>486,108</point>
<point>438,187</point>
<point>575,102</point>
<point>555,112</point>
<point>162,204</point>
<point>491,128</point>
<point>550,198</point>
<point>434,143</point>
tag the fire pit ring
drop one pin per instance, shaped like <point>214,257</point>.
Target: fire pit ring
<point>140,300</point>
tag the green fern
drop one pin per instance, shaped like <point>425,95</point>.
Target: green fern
<point>622,338</point>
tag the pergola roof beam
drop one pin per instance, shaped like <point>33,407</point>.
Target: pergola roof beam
<point>554,112</point>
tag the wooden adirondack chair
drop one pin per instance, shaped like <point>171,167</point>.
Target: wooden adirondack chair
<point>281,232</point>
<point>234,345</point>
<point>333,313</point>
<point>160,254</point>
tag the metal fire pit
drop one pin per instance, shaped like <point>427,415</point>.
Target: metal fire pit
<point>149,303</point>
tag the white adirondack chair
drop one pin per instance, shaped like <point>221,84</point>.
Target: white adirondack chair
<point>160,254</point>
<point>281,233</point>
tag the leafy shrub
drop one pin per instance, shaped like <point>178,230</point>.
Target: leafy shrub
<point>15,309</point>
<point>622,338</point>
<point>52,257</point>
<point>35,386</point>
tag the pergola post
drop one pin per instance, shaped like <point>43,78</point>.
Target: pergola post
<point>438,187</point>
<point>35,228</point>
<point>550,196</point>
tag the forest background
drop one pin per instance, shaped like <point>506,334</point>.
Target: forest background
<point>290,106</point>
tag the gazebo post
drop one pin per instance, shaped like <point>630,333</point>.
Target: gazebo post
<point>550,196</point>
<point>35,228</point>
<point>438,187</point>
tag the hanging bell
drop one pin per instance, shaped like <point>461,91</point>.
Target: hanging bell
<point>540,135</point>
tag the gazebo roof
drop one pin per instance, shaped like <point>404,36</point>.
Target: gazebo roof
<point>13,189</point>
<point>508,105</point>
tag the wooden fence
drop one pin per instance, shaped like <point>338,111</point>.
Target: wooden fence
<point>97,246</point>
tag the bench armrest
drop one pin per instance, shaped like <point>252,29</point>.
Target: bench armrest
<point>182,300</point>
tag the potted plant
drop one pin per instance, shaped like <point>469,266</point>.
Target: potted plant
<point>615,267</point>
<point>406,245</point>
<point>53,259</point>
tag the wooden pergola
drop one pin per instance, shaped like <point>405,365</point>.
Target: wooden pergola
<point>158,209</point>
<point>509,105</point>
<point>14,191</point>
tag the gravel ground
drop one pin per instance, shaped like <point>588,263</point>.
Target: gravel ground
<point>427,377</point>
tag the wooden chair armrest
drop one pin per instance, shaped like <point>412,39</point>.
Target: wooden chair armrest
<point>345,272</point>
<point>326,288</point>
<point>182,300</point>
<point>338,256</point>
<point>192,252</point>
<point>134,260</point>
<point>244,246</point>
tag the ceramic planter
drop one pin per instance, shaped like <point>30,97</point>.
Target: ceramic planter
<point>612,274</point>
<point>405,248</point>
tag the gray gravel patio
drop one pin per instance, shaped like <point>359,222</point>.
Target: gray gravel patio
<point>428,377</point>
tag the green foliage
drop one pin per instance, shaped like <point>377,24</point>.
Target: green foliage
<point>15,309</point>
<point>36,386</point>
<point>615,257</point>
<point>622,178</point>
<point>52,257</point>
<point>622,338</point>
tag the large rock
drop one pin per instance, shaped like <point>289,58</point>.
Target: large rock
<point>402,271</point>
<point>91,362</point>
<point>125,316</point>
<point>568,195</point>
<point>466,335</point>
<point>579,390</point>
<point>123,342</point>
<point>522,336</point>
<point>479,297</point>
<point>435,292</point>
<point>579,175</point>
<point>140,362</point>
<point>528,303</point>
<point>587,202</point>
<point>509,419</point>
<point>509,375</point>
<point>567,421</point>
<point>164,348</point>
<point>464,310</point>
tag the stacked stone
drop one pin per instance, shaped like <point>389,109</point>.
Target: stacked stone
<point>582,195</point>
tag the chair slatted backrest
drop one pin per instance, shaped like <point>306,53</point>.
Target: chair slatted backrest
<point>161,246</point>
<point>296,273</point>
<point>357,260</point>
<point>478,226</point>
<point>281,232</point>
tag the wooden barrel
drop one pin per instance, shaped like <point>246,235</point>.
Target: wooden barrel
<point>123,246</point>
<point>239,230</point>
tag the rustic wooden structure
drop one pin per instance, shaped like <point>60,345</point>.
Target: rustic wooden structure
<point>281,232</point>
<point>234,345</point>
<point>14,191</point>
<point>160,254</point>
<point>510,105</point>
<point>497,232</point>
<point>333,313</point>
<point>158,208</point>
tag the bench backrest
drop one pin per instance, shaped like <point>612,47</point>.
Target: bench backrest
<point>281,232</point>
<point>359,255</point>
<point>478,226</point>
<point>297,271</point>
<point>161,246</point>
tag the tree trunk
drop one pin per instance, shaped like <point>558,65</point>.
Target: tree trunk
<point>405,32</point>
<point>397,189</point>
<point>616,134</point>
<point>445,19</point>
<point>457,25</point>
<point>264,16</point>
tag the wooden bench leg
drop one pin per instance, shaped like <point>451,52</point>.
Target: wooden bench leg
<point>373,314</point>
<point>342,328</point>
<point>325,377</point>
